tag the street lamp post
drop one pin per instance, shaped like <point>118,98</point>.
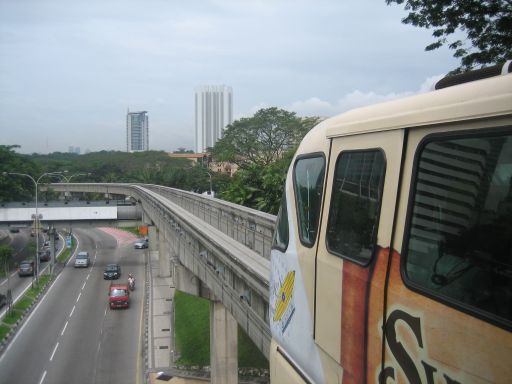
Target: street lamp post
<point>36,183</point>
<point>211,191</point>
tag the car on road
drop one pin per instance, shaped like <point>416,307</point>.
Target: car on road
<point>14,230</point>
<point>3,300</point>
<point>45,255</point>
<point>112,271</point>
<point>119,296</point>
<point>26,268</point>
<point>140,244</point>
<point>82,260</point>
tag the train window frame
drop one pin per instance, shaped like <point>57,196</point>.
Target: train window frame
<point>313,155</point>
<point>460,305</point>
<point>282,218</point>
<point>360,261</point>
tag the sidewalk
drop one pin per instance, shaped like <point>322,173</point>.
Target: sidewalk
<point>160,342</point>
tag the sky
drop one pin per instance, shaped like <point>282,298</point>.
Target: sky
<point>70,70</point>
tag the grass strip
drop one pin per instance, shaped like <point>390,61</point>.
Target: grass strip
<point>192,329</point>
<point>22,305</point>
<point>192,332</point>
<point>4,330</point>
<point>66,254</point>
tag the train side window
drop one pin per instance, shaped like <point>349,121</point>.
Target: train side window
<point>308,180</point>
<point>281,233</point>
<point>459,246</point>
<point>355,205</point>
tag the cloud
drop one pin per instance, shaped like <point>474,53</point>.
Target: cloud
<point>315,106</point>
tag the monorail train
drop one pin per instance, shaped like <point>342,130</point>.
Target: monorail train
<point>392,254</point>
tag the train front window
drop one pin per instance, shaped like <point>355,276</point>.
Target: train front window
<point>308,177</point>
<point>281,232</point>
<point>355,203</point>
<point>459,245</point>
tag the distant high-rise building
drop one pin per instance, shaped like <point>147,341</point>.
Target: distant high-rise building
<point>214,111</point>
<point>137,132</point>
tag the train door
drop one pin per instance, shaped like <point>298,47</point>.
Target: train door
<point>352,257</point>
<point>449,305</point>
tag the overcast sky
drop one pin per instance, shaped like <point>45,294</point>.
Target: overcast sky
<point>70,69</point>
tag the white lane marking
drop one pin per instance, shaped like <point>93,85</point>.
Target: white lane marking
<point>54,350</point>
<point>78,298</point>
<point>83,286</point>
<point>64,329</point>
<point>87,278</point>
<point>105,314</point>
<point>73,310</point>
<point>42,378</point>
<point>10,277</point>
<point>29,317</point>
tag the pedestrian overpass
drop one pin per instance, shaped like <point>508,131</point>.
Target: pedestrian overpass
<point>213,249</point>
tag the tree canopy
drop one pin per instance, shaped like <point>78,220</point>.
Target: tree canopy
<point>487,25</point>
<point>263,147</point>
<point>262,139</point>
<point>12,187</point>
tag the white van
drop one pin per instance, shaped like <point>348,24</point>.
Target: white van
<point>82,260</point>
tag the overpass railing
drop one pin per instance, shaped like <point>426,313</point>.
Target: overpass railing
<point>249,227</point>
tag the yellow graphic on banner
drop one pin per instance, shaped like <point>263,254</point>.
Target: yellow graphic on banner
<point>285,295</point>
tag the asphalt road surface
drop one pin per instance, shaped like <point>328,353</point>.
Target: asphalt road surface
<point>72,336</point>
<point>19,285</point>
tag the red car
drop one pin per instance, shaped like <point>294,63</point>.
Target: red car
<point>119,296</point>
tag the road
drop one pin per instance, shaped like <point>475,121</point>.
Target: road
<point>72,336</point>
<point>19,285</point>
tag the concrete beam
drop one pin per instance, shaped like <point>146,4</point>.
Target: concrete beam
<point>153,238</point>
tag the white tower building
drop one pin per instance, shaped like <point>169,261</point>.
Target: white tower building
<point>137,132</point>
<point>214,111</point>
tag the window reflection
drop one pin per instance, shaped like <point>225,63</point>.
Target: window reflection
<point>355,202</point>
<point>308,182</point>
<point>460,242</point>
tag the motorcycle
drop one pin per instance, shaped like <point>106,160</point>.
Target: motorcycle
<point>131,283</point>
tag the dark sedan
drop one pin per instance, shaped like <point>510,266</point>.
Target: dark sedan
<point>45,255</point>
<point>26,268</point>
<point>112,271</point>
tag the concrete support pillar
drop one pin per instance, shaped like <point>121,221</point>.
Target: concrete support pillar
<point>223,345</point>
<point>153,238</point>
<point>164,256</point>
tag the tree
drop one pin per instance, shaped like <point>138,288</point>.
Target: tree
<point>6,253</point>
<point>261,139</point>
<point>263,147</point>
<point>257,187</point>
<point>487,25</point>
<point>16,188</point>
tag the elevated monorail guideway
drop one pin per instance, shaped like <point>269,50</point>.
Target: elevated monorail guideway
<point>216,249</point>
